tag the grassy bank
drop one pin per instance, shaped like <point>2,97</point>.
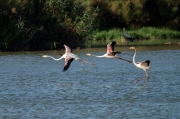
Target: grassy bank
<point>154,33</point>
<point>142,36</point>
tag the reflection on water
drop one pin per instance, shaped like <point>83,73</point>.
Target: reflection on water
<point>33,87</point>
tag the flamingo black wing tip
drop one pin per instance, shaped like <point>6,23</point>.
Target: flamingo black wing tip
<point>113,43</point>
<point>63,70</point>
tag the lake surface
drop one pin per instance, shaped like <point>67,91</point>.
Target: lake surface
<point>35,87</point>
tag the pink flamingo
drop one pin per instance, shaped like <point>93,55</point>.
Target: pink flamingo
<point>142,65</point>
<point>110,52</point>
<point>69,57</point>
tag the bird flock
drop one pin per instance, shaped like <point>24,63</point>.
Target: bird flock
<point>110,53</point>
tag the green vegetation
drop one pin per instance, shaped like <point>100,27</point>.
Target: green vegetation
<point>48,24</point>
<point>143,33</point>
<point>45,24</point>
<point>155,33</point>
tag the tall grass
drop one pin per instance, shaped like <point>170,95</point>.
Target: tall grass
<point>107,35</point>
<point>154,33</point>
<point>143,33</point>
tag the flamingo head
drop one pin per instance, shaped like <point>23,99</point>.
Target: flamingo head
<point>88,54</point>
<point>132,48</point>
<point>44,56</point>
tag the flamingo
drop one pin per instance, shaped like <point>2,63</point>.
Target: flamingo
<point>110,52</point>
<point>144,65</point>
<point>69,57</point>
<point>126,36</point>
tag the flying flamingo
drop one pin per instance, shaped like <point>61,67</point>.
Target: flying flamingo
<point>126,36</point>
<point>69,57</point>
<point>142,65</point>
<point>110,52</point>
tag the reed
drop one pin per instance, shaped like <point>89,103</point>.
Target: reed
<point>107,35</point>
<point>154,33</point>
<point>144,33</point>
<point>142,36</point>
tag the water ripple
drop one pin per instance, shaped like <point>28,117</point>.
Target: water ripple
<point>32,87</point>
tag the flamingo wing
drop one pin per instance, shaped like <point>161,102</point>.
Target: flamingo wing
<point>67,49</point>
<point>110,47</point>
<point>113,53</point>
<point>145,63</point>
<point>113,43</point>
<point>67,63</point>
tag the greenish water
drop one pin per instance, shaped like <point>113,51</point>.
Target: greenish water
<point>32,87</point>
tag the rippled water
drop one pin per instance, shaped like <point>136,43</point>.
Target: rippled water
<point>33,87</point>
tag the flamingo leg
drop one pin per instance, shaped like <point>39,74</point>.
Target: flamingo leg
<point>124,59</point>
<point>82,65</point>
<point>147,77</point>
<point>146,73</point>
<point>147,80</point>
<point>86,61</point>
<point>139,80</point>
<point>81,60</point>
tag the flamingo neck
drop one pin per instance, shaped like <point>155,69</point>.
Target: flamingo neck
<point>97,56</point>
<point>100,56</point>
<point>134,56</point>
<point>56,58</point>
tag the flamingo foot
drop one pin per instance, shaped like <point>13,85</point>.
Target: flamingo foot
<point>137,81</point>
<point>147,78</point>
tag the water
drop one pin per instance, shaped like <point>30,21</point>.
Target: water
<point>33,87</point>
